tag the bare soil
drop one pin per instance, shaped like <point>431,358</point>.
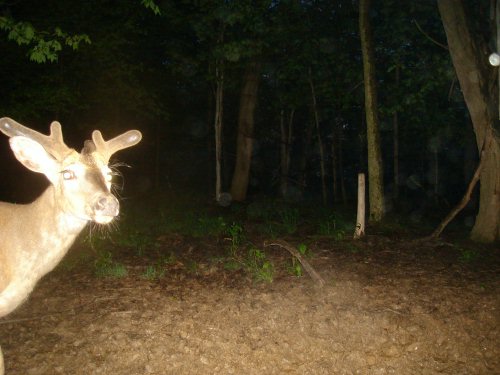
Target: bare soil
<point>389,306</point>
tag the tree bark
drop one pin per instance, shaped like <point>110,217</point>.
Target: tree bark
<point>334,164</point>
<point>244,142</point>
<point>481,98</point>
<point>375,168</point>
<point>219,91</point>
<point>395,140</point>
<point>320,141</point>
<point>359,232</point>
<point>285,150</point>
<point>304,157</point>
<point>340,147</point>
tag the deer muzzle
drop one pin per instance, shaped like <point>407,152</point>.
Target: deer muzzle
<point>105,207</point>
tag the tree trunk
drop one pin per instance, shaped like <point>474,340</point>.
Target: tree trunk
<point>435,169</point>
<point>375,170</point>
<point>470,164</point>
<point>320,141</point>
<point>334,164</point>
<point>340,138</point>
<point>359,232</point>
<point>244,142</point>
<point>395,140</point>
<point>157,157</point>
<point>219,91</point>
<point>338,163</point>
<point>285,149</point>
<point>305,156</point>
<point>481,96</point>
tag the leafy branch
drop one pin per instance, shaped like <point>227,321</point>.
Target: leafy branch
<point>45,46</point>
<point>150,4</point>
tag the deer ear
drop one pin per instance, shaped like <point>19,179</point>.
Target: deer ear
<point>33,156</point>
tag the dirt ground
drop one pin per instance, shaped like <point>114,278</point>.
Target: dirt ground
<point>389,306</point>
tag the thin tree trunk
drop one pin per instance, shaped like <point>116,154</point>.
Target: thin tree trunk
<point>335,164</point>
<point>375,172</point>
<point>218,120</point>
<point>359,232</point>
<point>157,158</point>
<point>395,125</point>
<point>340,138</point>
<point>320,141</point>
<point>481,97</point>
<point>289,139</point>
<point>495,16</point>
<point>435,162</point>
<point>285,149</point>
<point>305,156</point>
<point>244,145</point>
<point>219,107</point>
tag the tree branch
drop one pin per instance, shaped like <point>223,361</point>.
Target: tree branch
<point>475,178</point>
<point>429,37</point>
<point>307,266</point>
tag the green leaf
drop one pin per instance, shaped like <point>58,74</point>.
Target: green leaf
<point>150,4</point>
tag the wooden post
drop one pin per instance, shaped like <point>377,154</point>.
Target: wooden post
<point>359,232</point>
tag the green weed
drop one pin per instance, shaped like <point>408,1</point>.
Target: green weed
<point>137,240</point>
<point>261,210</point>
<point>232,265</point>
<point>352,248</point>
<point>259,266</point>
<point>153,273</point>
<point>304,250</point>
<point>157,271</point>
<point>295,268</point>
<point>333,226</point>
<point>208,226</point>
<point>167,259</point>
<point>192,267</point>
<point>289,219</point>
<point>269,229</point>
<point>104,266</point>
<point>75,259</point>
<point>467,255</point>
<point>235,232</point>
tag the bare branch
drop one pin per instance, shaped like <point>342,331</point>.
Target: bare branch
<point>429,37</point>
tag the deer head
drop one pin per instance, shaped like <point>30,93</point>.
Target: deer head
<point>82,181</point>
<point>34,237</point>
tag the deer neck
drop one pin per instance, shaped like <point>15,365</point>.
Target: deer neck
<point>56,227</point>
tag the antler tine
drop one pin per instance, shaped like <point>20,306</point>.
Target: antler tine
<point>54,142</point>
<point>100,145</point>
<point>56,131</point>
<point>108,148</point>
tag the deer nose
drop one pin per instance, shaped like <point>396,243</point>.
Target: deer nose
<point>106,205</point>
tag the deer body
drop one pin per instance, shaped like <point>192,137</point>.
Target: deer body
<point>29,254</point>
<point>35,237</point>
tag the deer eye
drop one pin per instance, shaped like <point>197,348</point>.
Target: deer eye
<point>68,174</point>
<point>108,177</point>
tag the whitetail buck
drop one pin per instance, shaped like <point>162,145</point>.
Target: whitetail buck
<point>34,237</point>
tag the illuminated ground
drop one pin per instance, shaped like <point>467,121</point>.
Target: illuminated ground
<point>389,307</point>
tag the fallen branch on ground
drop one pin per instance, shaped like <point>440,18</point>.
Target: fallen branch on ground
<point>292,250</point>
<point>466,198</point>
